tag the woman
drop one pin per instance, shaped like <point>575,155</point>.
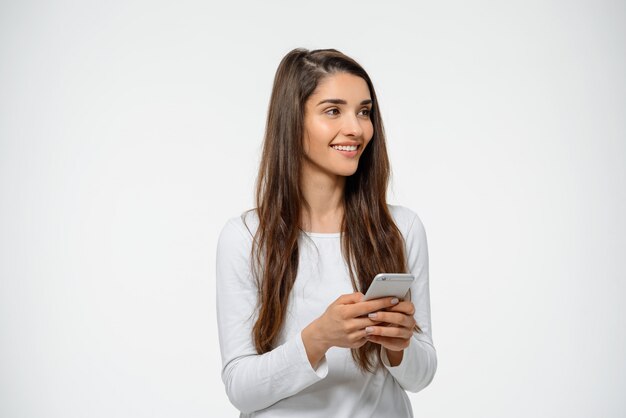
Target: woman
<point>296,338</point>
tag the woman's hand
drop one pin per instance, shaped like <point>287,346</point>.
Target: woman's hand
<point>395,336</point>
<point>343,324</point>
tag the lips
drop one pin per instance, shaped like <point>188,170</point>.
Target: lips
<point>346,151</point>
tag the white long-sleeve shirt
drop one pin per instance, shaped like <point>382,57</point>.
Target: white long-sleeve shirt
<point>282,382</point>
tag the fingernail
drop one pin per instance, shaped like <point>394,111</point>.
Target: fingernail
<point>395,301</point>
<point>369,330</point>
<point>372,315</point>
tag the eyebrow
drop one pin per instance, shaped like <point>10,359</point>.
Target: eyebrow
<point>343,102</point>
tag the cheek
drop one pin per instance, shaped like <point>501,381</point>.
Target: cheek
<point>322,134</point>
<point>368,132</point>
<point>328,128</point>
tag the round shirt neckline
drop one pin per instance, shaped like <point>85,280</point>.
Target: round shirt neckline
<point>323,234</point>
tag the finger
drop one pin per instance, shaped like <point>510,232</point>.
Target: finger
<point>395,318</point>
<point>395,344</point>
<point>365,307</point>
<point>404,307</point>
<point>359,325</point>
<point>357,339</point>
<point>362,322</point>
<point>395,332</point>
<point>349,298</point>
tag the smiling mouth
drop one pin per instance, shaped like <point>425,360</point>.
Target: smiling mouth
<point>347,148</point>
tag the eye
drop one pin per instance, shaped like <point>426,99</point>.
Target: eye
<point>366,112</point>
<point>328,112</point>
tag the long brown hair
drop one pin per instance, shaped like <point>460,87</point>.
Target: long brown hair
<point>368,227</point>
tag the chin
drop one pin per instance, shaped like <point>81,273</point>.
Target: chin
<point>347,172</point>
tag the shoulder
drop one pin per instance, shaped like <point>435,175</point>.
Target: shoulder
<point>406,219</point>
<point>414,234</point>
<point>239,229</point>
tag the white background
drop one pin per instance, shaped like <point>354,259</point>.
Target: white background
<point>130,132</point>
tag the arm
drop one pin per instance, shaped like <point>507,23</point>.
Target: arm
<point>411,357</point>
<point>253,381</point>
<point>419,360</point>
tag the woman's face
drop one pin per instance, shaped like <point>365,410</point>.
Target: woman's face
<point>337,125</point>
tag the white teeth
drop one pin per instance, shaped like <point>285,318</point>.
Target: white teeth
<point>345,147</point>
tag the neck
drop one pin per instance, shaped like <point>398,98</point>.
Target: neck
<point>323,194</point>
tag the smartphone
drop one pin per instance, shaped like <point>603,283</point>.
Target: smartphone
<point>389,284</point>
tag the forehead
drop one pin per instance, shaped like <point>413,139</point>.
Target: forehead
<point>344,86</point>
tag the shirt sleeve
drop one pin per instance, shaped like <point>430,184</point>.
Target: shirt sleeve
<point>253,381</point>
<point>419,361</point>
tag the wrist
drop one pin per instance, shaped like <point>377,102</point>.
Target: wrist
<point>394,357</point>
<point>314,343</point>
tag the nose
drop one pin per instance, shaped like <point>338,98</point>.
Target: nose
<point>352,126</point>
